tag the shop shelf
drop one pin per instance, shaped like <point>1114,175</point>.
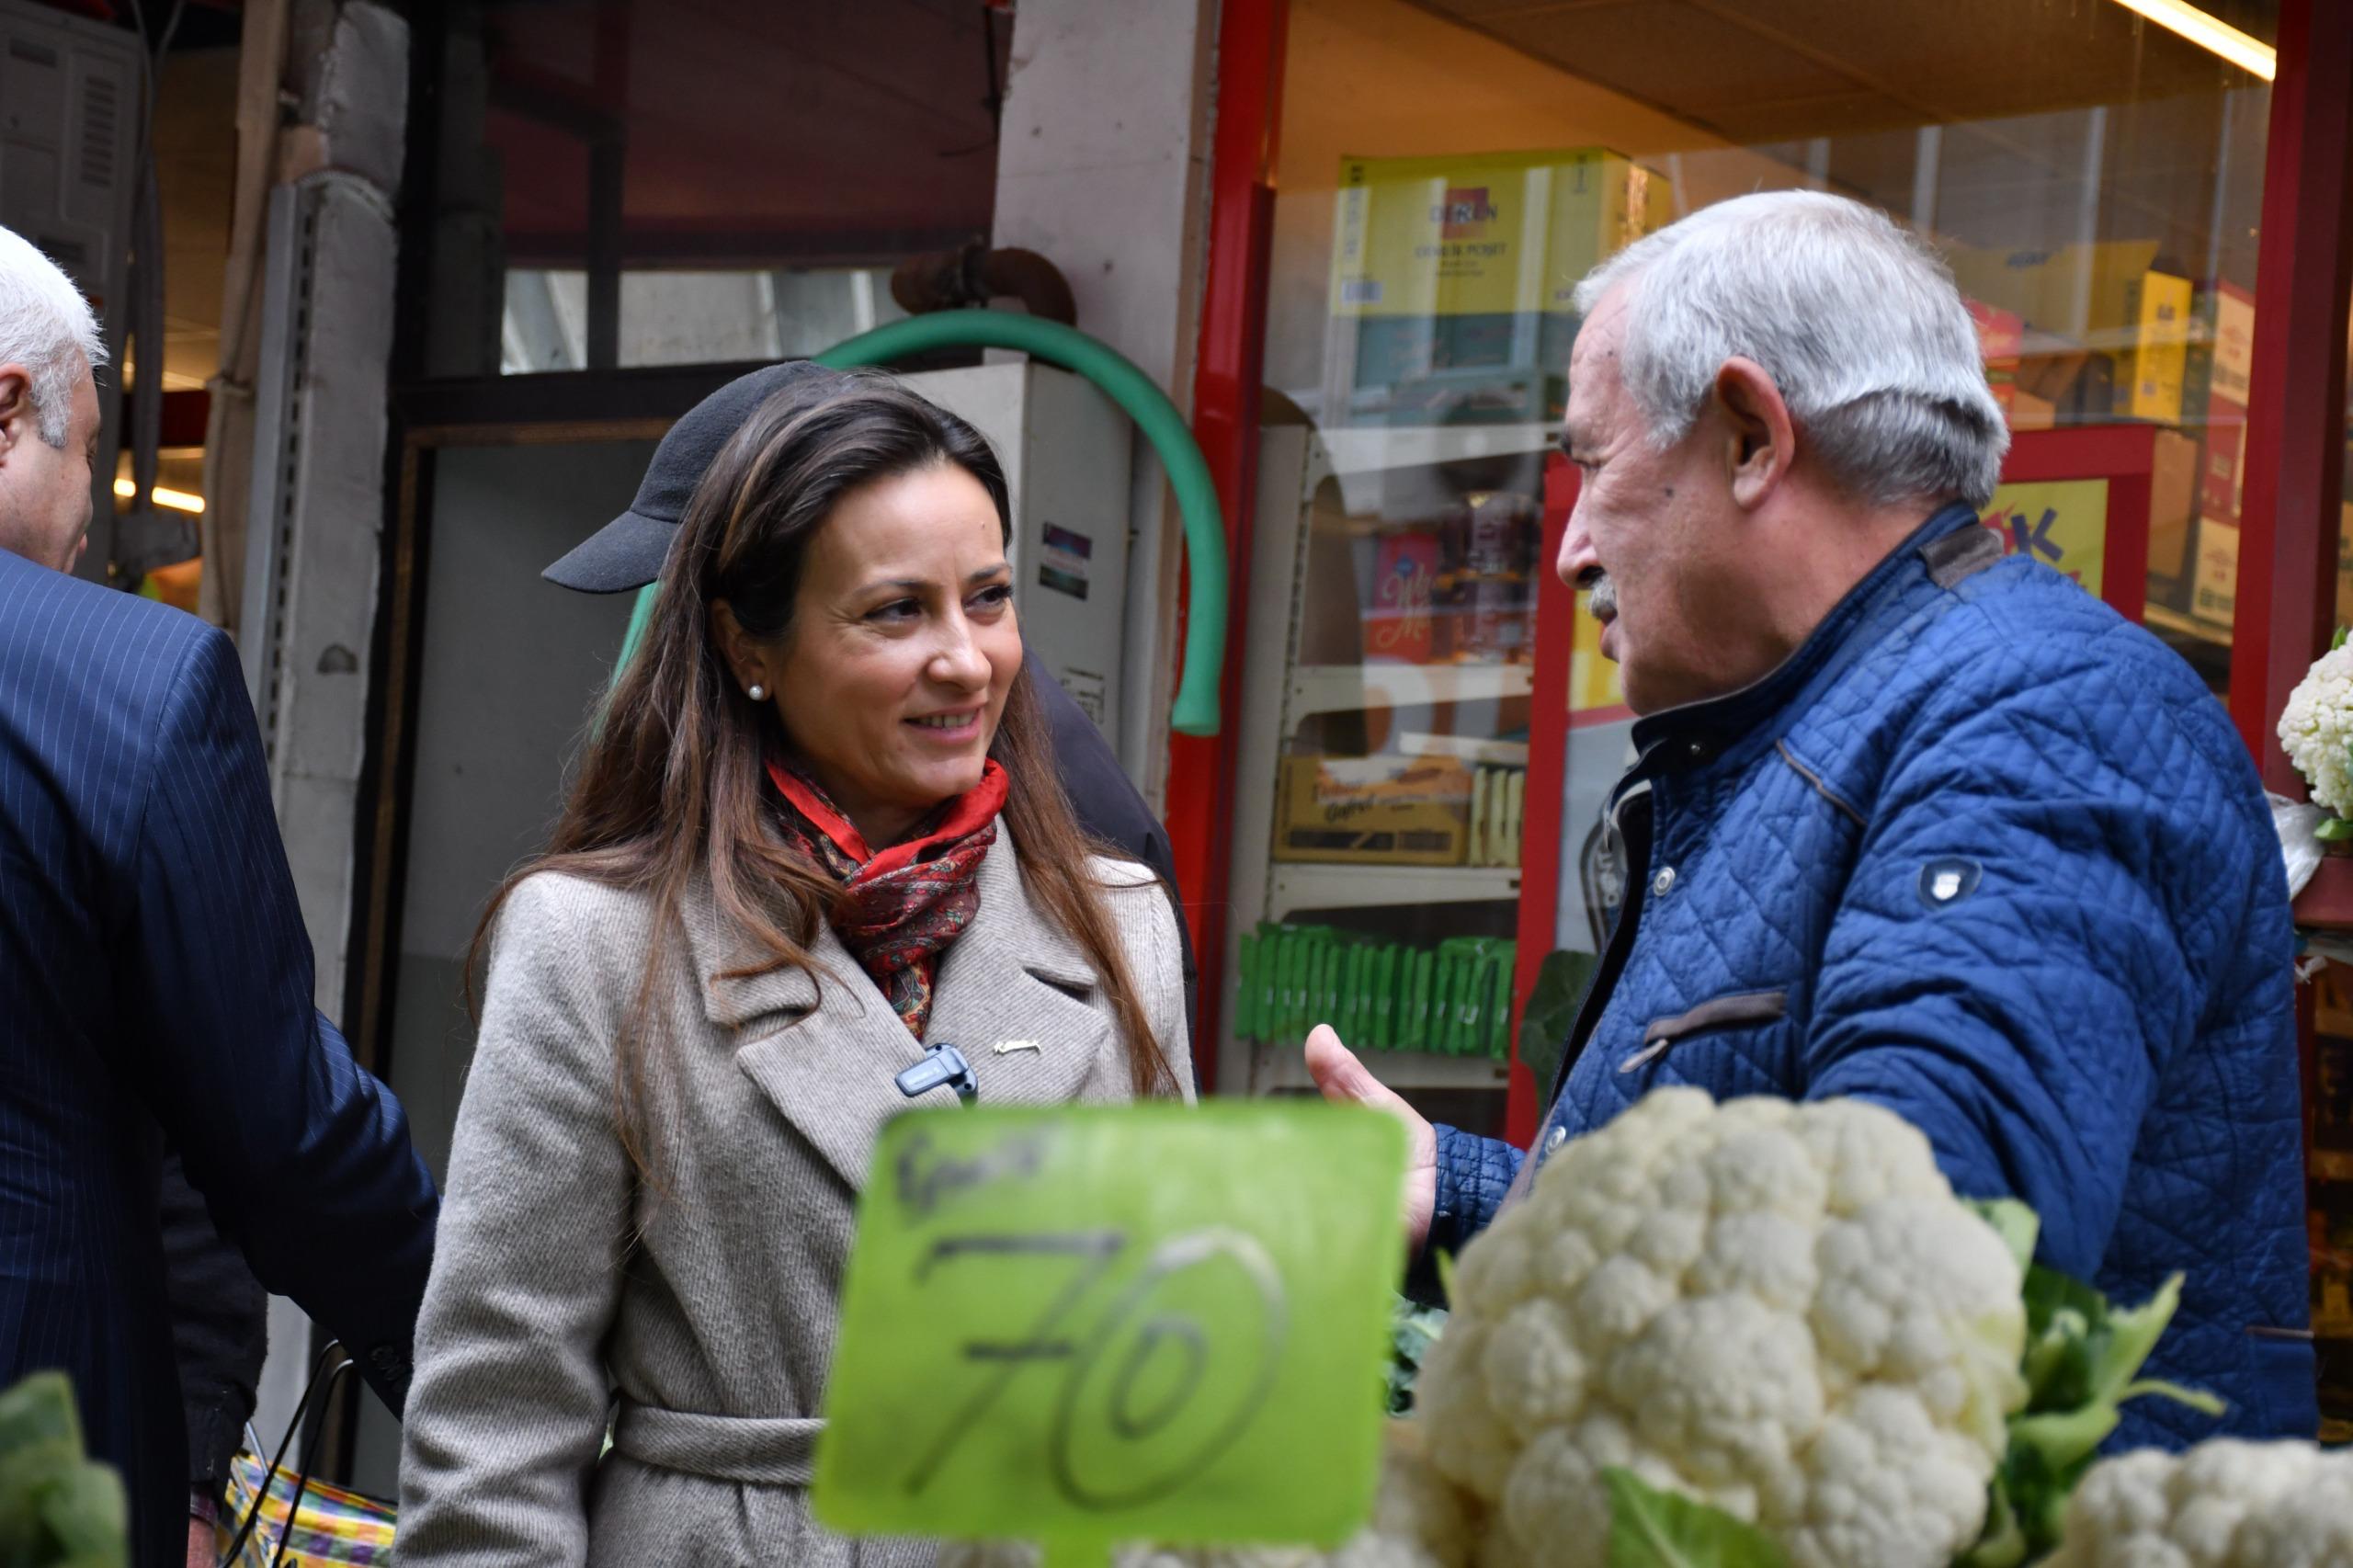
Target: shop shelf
<point>1297,887</point>
<point>2326,902</point>
<point>1280,1071</point>
<point>2158,617</point>
<point>1339,688</point>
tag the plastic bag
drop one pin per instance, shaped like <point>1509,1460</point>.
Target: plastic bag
<point>331,1524</point>
<point>2297,821</point>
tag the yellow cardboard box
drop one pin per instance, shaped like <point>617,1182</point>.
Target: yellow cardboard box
<point>1394,810</point>
<point>1502,233</point>
<point>1460,263</point>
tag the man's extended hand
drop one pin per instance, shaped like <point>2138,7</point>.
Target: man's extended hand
<point>1346,1081</point>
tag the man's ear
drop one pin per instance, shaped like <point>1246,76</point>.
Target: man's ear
<point>1762,440</point>
<point>16,404</point>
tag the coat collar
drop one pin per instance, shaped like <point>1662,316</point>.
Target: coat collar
<point>1014,993</point>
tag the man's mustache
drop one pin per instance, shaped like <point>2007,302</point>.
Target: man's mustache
<point>1605,596</point>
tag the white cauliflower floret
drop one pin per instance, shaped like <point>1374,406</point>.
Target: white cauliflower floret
<point>1882,1473</point>
<point>2225,1504</point>
<point>1779,1309</point>
<point>2316,725</point>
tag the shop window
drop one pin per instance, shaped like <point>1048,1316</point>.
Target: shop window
<point>739,179</point>
<point>2094,181</point>
<point>685,318</point>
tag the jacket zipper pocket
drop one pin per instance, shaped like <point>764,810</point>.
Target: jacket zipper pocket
<point>1716,1013</point>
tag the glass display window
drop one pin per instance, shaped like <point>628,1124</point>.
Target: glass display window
<point>1447,171</point>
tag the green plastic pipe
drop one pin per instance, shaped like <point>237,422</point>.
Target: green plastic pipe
<point>1195,710</point>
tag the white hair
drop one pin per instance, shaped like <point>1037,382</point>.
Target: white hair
<point>1858,322</point>
<point>47,327</point>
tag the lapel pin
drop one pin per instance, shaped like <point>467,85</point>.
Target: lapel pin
<point>1007,1047</point>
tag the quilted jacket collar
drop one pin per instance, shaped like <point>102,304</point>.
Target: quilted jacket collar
<point>1699,732</point>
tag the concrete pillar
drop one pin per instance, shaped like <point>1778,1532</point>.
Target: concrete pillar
<point>322,338</point>
<point>316,516</point>
<point>1103,167</point>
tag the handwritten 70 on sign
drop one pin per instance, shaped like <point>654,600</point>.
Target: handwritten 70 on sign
<point>1091,1325</point>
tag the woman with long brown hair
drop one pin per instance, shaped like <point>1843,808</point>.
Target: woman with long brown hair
<point>815,842</point>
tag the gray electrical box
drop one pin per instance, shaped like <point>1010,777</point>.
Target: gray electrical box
<point>1065,448</point>
<point>69,124</point>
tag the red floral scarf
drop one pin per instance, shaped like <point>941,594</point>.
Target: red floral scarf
<point>902,907</point>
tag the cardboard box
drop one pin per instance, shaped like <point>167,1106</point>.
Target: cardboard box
<point>2233,344</point>
<point>2172,501</point>
<point>2159,363</point>
<point>1470,260</point>
<point>2225,479</point>
<point>2345,565</point>
<point>2072,291</point>
<point>2000,335</point>
<point>2214,592</point>
<point>1380,809</point>
<point>2028,412</point>
<point>2051,378</point>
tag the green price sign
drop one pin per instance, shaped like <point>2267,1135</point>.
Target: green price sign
<point>1091,1325</point>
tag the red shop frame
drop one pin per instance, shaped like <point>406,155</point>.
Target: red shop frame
<point>1226,382</point>
<point>1549,722</point>
<point>2124,455</point>
<point>2295,426</point>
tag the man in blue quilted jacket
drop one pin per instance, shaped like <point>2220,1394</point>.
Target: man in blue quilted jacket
<point>1912,821</point>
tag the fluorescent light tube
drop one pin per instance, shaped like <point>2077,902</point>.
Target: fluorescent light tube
<point>177,500</point>
<point>2251,55</point>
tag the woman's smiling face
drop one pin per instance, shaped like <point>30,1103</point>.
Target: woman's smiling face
<point>891,675</point>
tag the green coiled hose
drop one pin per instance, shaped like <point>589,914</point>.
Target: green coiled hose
<point>1195,708</point>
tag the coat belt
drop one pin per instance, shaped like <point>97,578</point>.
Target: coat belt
<point>757,1450</point>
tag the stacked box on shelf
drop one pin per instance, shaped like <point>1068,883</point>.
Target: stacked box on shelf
<point>1384,810</point>
<point>1450,1000</point>
<point>1499,801</point>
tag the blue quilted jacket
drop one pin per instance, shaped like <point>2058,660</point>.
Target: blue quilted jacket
<point>1989,855</point>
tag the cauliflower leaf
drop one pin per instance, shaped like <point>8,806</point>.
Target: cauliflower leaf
<point>2083,1359</point>
<point>1413,1329</point>
<point>1653,1529</point>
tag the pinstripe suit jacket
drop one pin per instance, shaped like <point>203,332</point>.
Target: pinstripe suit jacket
<point>154,978</point>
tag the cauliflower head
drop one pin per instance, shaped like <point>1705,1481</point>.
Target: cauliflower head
<point>1778,1309</point>
<point>2316,726</point>
<point>2224,1503</point>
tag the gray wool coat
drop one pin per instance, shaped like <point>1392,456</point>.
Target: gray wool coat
<point>708,1307</point>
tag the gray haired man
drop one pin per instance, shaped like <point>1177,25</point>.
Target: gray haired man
<point>1912,822</point>
<point>49,408</point>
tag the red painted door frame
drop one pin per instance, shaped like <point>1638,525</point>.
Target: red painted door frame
<point>1548,774</point>
<point>1226,382</point>
<point>2295,426</point>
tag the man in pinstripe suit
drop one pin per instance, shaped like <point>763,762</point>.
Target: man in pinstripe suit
<point>155,979</point>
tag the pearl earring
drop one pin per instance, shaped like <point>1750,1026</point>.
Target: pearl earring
<point>758,693</point>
